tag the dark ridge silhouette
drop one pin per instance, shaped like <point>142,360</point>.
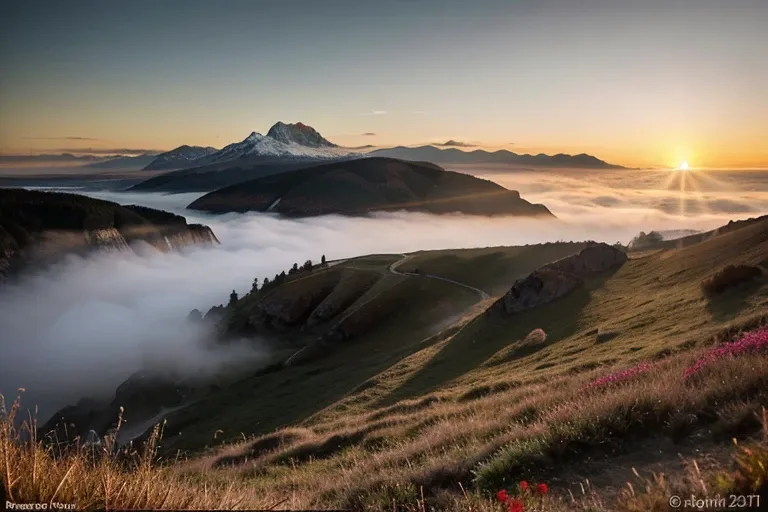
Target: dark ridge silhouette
<point>357,187</point>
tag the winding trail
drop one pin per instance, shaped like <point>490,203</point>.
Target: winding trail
<point>405,257</point>
<point>393,269</point>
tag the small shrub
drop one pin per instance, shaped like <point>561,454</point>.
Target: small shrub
<point>728,277</point>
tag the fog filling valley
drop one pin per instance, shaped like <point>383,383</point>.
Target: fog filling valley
<point>81,327</point>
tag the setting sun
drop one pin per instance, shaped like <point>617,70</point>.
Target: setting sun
<point>683,166</point>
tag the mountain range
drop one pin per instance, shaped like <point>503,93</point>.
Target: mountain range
<point>289,142</point>
<point>479,156</point>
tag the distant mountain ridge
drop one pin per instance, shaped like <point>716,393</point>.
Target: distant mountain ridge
<point>58,157</point>
<point>479,156</point>
<point>125,162</point>
<point>287,142</point>
<point>179,157</point>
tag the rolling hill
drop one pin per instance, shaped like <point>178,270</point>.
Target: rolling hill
<point>360,186</point>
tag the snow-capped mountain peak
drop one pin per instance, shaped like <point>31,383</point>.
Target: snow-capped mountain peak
<point>297,141</point>
<point>298,133</point>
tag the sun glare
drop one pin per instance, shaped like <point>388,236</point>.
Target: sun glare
<point>683,166</point>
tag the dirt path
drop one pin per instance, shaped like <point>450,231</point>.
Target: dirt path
<point>393,269</point>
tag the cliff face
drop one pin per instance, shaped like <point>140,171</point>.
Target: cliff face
<point>39,228</point>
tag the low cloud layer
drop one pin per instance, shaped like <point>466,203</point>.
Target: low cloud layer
<point>81,327</point>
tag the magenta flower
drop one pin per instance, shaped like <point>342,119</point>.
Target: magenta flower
<point>620,376</point>
<point>749,343</point>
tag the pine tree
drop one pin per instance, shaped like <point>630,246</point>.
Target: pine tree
<point>307,265</point>
<point>232,298</point>
<point>255,286</point>
<point>322,260</point>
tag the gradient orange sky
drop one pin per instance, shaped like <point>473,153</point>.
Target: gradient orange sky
<point>635,83</point>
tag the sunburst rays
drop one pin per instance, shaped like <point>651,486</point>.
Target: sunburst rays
<point>689,186</point>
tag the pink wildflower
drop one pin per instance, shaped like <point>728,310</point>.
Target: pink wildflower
<point>620,376</point>
<point>749,343</point>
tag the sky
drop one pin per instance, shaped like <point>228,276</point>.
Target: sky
<point>635,83</point>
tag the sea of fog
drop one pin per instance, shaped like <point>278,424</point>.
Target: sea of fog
<point>82,327</point>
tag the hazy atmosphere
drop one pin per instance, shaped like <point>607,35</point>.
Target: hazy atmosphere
<point>384,255</point>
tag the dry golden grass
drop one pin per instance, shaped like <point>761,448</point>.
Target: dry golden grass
<point>106,476</point>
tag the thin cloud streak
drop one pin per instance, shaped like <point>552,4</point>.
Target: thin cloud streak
<point>110,151</point>
<point>63,138</point>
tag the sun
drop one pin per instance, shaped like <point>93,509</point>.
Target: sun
<point>683,166</point>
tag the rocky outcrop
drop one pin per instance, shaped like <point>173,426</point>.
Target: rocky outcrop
<point>593,258</point>
<point>540,287</point>
<point>559,278</point>
<point>298,133</point>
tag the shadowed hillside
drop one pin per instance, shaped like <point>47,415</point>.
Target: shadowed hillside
<point>41,227</point>
<point>356,187</point>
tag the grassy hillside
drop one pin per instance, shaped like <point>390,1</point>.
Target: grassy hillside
<point>492,269</point>
<point>451,400</point>
<point>355,187</point>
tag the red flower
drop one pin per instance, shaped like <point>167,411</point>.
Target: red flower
<point>515,506</point>
<point>502,496</point>
<point>524,486</point>
<point>543,489</point>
